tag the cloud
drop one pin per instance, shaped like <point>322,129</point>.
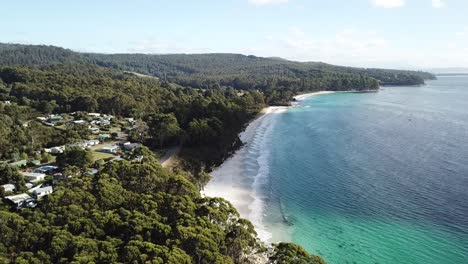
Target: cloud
<point>152,45</point>
<point>438,3</point>
<point>388,3</point>
<point>267,2</point>
<point>346,47</point>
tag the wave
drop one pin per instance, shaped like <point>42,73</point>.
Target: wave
<point>243,178</point>
<point>261,149</point>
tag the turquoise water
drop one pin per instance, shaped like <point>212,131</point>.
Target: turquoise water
<point>374,177</point>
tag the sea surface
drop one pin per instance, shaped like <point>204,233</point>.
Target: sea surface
<point>369,177</point>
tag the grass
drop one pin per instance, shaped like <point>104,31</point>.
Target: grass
<point>101,155</point>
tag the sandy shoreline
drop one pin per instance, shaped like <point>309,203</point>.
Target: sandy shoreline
<point>301,97</point>
<point>235,183</point>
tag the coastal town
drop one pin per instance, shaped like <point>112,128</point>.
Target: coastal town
<point>107,142</point>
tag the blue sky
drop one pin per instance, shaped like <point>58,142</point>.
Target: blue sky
<point>371,33</point>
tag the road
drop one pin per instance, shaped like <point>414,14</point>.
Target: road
<point>169,157</point>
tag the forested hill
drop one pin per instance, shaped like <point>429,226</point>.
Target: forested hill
<point>247,72</point>
<point>35,55</point>
<point>279,79</point>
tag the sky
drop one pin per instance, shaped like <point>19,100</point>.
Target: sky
<point>413,34</point>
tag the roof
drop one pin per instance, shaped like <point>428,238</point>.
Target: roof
<point>34,174</point>
<point>18,198</point>
<point>131,146</point>
<point>8,186</point>
<point>111,147</point>
<point>44,189</point>
<point>45,169</point>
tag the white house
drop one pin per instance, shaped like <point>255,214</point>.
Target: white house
<point>41,192</point>
<point>9,187</point>
<point>94,114</point>
<point>34,177</point>
<point>79,121</point>
<point>21,199</point>
<point>92,142</point>
<point>55,150</point>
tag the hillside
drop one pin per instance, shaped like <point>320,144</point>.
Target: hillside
<point>278,78</point>
<point>207,69</point>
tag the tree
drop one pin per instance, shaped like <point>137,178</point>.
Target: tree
<point>164,128</point>
<point>75,156</point>
<point>11,175</point>
<point>292,253</point>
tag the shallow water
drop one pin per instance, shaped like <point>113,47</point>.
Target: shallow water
<point>372,177</point>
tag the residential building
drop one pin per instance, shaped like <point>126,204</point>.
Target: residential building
<point>9,187</point>
<point>130,146</point>
<point>103,137</point>
<point>22,200</point>
<point>46,169</point>
<point>111,149</point>
<point>34,177</point>
<point>41,192</point>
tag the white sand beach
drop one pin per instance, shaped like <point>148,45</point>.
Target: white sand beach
<point>230,180</point>
<point>239,177</point>
<point>301,97</point>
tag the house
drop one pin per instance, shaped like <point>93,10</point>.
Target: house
<point>94,130</point>
<point>49,124</point>
<point>54,118</point>
<point>77,122</point>
<point>6,102</point>
<point>34,176</point>
<point>19,163</point>
<point>46,169</point>
<point>29,185</point>
<point>92,142</point>
<point>103,137</point>
<point>55,150</point>
<point>130,146</point>
<point>22,200</point>
<point>91,172</point>
<point>41,192</point>
<point>112,149</point>
<point>41,118</point>
<point>9,187</point>
<point>94,114</point>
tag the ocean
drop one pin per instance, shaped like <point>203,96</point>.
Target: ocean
<point>367,177</point>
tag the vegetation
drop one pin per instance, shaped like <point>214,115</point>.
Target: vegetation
<point>166,111</point>
<point>75,156</point>
<point>277,78</point>
<point>134,211</point>
<point>10,175</point>
<point>128,213</point>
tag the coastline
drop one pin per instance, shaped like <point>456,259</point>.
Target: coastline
<point>241,177</point>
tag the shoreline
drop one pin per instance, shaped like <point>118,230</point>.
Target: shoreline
<point>240,178</point>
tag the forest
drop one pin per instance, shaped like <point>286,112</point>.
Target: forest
<point>135,211</point>
<point>278,79</point>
